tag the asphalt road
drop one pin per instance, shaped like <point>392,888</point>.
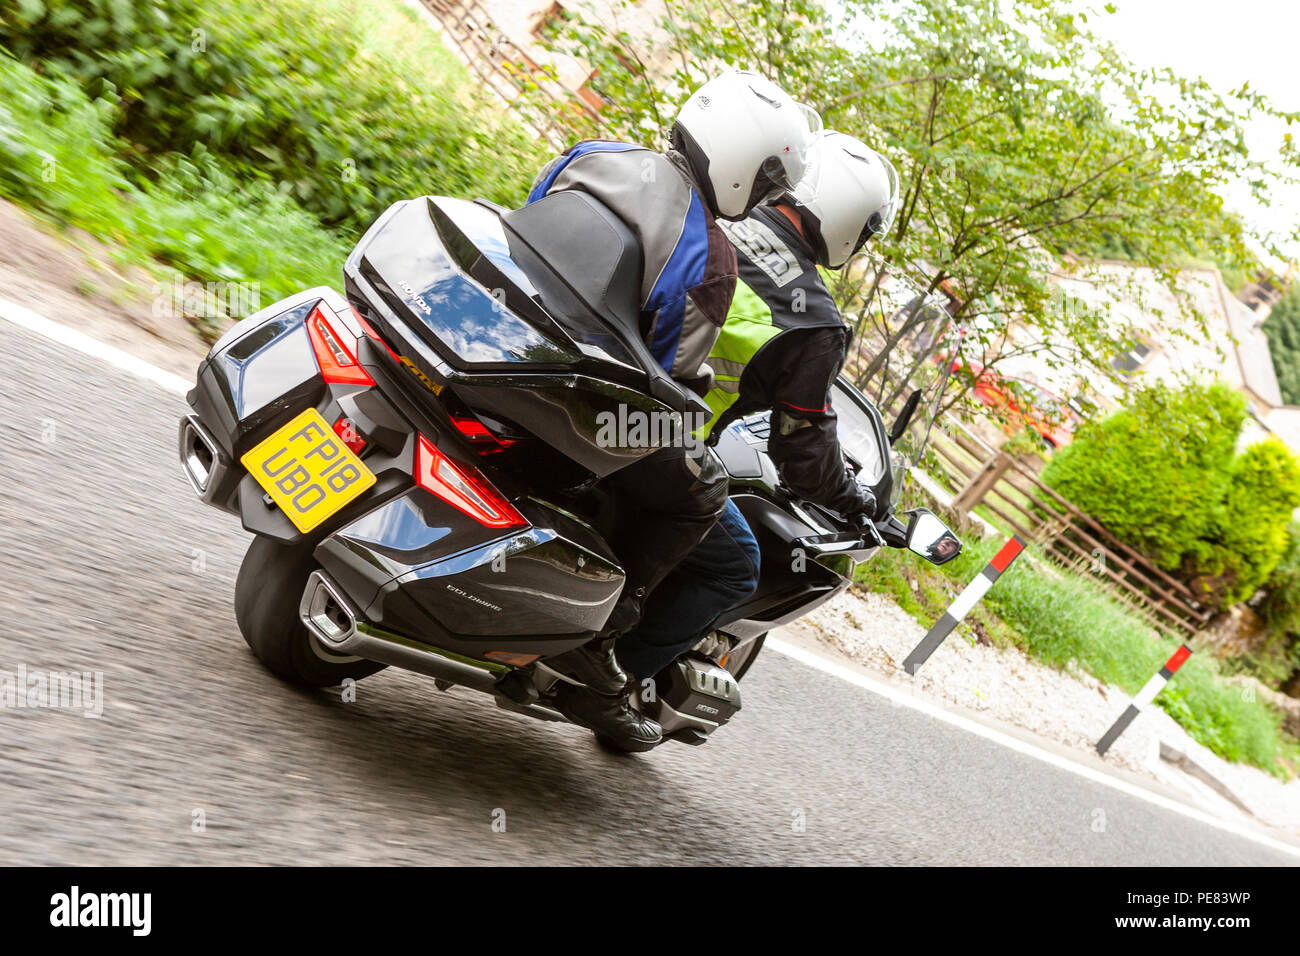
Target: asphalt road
<point>108,563</point>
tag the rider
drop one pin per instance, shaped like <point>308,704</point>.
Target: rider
<point>781,349</point>
<point>738,141</point>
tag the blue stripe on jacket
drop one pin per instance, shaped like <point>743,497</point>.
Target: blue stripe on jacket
<point>579,149</point>
<point>685,269</point>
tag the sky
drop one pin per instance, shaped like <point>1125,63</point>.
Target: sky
<point>1228,43</point>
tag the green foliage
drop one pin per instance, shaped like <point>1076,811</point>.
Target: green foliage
<point>57,152</point>
<point>344,106</point>
<point>1164,476</point>
<point>1283,330</point>
<point>1277,659</point>
<point>1026,441</point>
<point>1236,262</point>
<point>1064,620</point>
<point>58,155</point>
<point>1280,608</point>
<point>1263,491</point>
<point>1018,134</point>
<point>1154,472</point>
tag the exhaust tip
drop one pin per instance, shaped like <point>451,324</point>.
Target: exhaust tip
<point>198,455</point>
<point>326,613</point>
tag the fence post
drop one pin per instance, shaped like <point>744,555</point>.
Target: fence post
<point>982,482</point>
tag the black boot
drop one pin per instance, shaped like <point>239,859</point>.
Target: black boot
<point>611,716</point>
<point>593,664</point>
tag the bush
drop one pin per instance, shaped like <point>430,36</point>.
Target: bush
<point>346,107</point>
<point>1263,491</point>
<point>1163,475</point>
<point>57,152</point>
<point>58,155</point>
<point>1280,608</point>
<point>1277,660</point>
<point>1283,330</point>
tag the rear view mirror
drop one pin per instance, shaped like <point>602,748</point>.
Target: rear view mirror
<point>929,537</point>
<point>904,417</point>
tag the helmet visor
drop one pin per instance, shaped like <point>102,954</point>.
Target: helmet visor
<point>773,180</point>
<point>771,183</point>
<point>812,170</point>
<point>880,221</point>
<point>889,208</point>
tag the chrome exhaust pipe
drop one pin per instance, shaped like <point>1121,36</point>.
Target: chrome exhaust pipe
<point>334,623</point>
<point>199,455</point>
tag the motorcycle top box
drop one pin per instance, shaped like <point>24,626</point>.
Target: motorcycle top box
<point>458,289</point>
<point>295,429</point>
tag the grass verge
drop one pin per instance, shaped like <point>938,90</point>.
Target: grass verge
<point>1062,619</point>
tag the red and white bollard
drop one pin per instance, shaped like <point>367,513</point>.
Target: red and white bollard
<point>1144,697</point>
<point>962,604</point>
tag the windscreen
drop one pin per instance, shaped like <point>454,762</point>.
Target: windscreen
<point>859,433</point>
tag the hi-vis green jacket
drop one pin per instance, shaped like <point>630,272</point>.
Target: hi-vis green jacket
<point>781,348</point>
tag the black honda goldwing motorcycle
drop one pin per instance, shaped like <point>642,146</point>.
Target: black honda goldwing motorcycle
<point>420,463</point>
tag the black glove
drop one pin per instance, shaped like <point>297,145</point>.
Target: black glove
<point>865,513</point>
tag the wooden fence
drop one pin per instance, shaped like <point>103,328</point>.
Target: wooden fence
<point>1009,491</point>
<point>531,89</point>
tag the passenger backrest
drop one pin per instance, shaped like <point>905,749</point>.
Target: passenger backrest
<point>579,241</point>
<point>586,262</point>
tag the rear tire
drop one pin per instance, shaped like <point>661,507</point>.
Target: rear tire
<point>267,594</point>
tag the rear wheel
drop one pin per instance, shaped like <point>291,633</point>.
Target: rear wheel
<point>267,594</point>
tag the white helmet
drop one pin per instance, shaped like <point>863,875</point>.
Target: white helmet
<point>746,140</point>
<point>849,194</point>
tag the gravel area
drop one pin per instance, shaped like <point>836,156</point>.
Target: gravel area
<point>1071,707</point>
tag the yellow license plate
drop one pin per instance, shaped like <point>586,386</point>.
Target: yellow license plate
<point>307,470</point>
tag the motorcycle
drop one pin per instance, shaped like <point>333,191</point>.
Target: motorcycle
<point>420,461</point>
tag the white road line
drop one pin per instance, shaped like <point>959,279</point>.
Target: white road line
<point>80,342</point>
<point>902,697</point>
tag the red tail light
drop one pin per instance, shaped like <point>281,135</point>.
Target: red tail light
<point>480,438</point>
<point>369,330</point>
<point>463,487</point>
<point>346,429</point>
<point>336,358</point>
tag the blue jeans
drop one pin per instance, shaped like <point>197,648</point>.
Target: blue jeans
<point>720,573</point>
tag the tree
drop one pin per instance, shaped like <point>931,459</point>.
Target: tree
<point>1283,330</point>
<point>1019,135</point>
<point>1163,474</point>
